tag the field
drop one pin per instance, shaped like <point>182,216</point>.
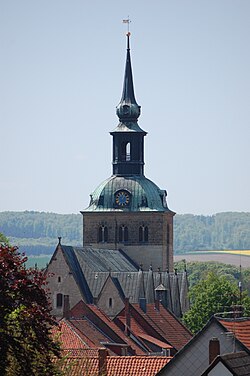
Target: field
<point>41,261</point>
<point>232,257</point>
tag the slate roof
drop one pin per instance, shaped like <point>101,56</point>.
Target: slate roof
<point>240,327</point>
<point>103,260</point>
<point>91,267</point>
<point>237,363</point>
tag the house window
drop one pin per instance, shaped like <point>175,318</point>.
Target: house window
<point>59,300</point>
<point>103,234</point>
<point>59,279</point>
<point>143,234</point>
<point>123,234</point>
<point>110,302</point>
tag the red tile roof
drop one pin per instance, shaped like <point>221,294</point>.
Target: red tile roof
<point>93,313</point>
<point>240,327</point>
<point>168,324</point>
<point>80,366</point>
<point>159,323</point>
<point>117,365</point>
<point>135,365</point>
<point>154,340</point>
<point>68,337</point>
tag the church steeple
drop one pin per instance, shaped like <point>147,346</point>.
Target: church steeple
<point>128,137</point>
<point>128,109</point>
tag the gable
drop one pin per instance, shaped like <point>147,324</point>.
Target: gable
<point>219,369</point>
<point>193,358</point>
<point>61,281</point>
<point>110,299</point>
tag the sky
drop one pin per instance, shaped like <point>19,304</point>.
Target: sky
<point>61,75</point>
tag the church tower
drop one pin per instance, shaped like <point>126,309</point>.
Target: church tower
<point>128,211</point>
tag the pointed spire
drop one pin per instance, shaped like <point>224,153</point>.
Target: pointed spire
<point>128,109</point>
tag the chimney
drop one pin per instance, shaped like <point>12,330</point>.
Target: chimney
<point>127,316</point>
<point>66,307</point>
<point>157,304</point>
<point>143,304</point>
<point>102,362</point>
<point>214,349</point>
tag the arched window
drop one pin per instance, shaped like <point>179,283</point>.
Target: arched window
<point>140,234</point>
<point>128,151</point>
<point>103,234</point>
<point>143,234</point>
<point>125,151</point>
<point>59,300</point>
<point>123,234</point>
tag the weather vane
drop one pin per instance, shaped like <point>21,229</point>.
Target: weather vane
<point>127,21</point>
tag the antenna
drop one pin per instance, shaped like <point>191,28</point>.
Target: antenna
<point>240,286</point>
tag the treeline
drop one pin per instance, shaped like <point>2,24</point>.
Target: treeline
<point>38,232</point>
<point>230,230</point>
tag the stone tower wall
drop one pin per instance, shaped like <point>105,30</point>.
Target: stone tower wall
<point>158,251</point>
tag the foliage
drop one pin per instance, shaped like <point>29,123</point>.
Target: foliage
<point>26,344</point>
<point>199,270</point>
<point>3,239</point>
<point>220,231</point>
<point>37,232</point>
<point>213,294</point>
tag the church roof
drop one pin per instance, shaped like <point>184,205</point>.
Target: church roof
<point>103,260</point>
<point>91,268</point>
<point>145,195</point>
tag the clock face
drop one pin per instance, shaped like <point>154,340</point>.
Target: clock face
<point>122,198</point>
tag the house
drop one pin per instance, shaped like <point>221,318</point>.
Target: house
<point>193,358</point>
<point>100,364</point>
<point>234,364</point>
<point>152,323</point>
<point>132,332</point>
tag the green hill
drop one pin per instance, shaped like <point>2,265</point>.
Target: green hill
<point>37,232</point>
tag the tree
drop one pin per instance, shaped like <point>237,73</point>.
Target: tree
<point>3,239</point>
<point>26,344</point>
<point>214,294</point>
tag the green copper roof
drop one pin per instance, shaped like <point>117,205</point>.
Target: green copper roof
<point>144,195</point>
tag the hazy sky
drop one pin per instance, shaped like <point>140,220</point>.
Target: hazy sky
<point>61,74</point>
